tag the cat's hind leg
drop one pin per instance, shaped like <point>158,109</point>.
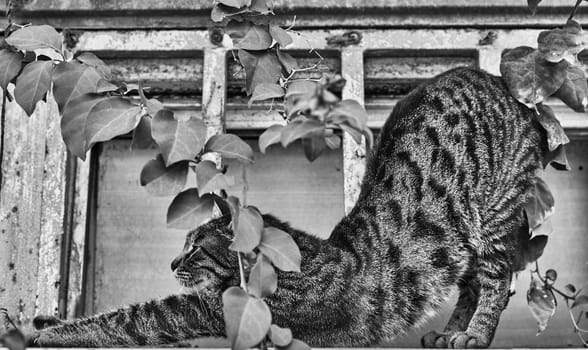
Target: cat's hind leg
<point>469,291</point>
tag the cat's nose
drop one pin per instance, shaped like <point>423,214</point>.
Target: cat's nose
<point>175,263</point>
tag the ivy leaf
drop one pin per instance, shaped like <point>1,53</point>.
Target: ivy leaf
<point>271,135</point>
<point>542,304</point>
<point>153,106</point>
<point>247,319</point>
<point>280,336</point>
<point>106,86</point>
<point>348,112</point>
<point>295,344</point>
<point>188,210</point>
<point>298,95</point>
<point>230,146</point>
<point>32,84</point>
<point>257,37</point>
<point>580,301</point>
<point>532,4</point>
<point>574,90</point>
<point>73,123</point>
<point>557,158</point>
<point>266,91</point>
<point>564,43</point>
<point>11,64</point>
<point>529,77</point>
<point>313,147</point>
<point>304,129</point>
<point>13,339</point>
<point>536,247</point>
<point>288,62</point>
<point>570,288</point>
<point>221,11</point>
<point>110,118</point>
<point>260,67</point>
<point>333,141</point>
<point>263,280</point>
<point>281,249</point>
<point>142,134</point>
<point>177,139</point>
<point>280,35</point>
<point>247,230</point>
<point>35,37</point>
<point>540,204</point>
<point>556,135</point>
<point>71,80</point>
<point>160,180</point>
<point>261,6</point>
<point>92,60</point>
<point>235,3</point>
<point>210,179</point>
<point>234,206</point>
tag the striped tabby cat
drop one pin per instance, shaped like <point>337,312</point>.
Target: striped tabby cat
<point>441,205</point>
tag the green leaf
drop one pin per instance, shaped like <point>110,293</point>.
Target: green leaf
<point>564,43</point>
<point>11,64</point>
<point>160,180</point>
<point>280,336</point>
<point>536,246</point>
<point>542,304</point>
<point>333,141</point>
<point>247,319</point>
<point>298,130</point>
<point>313,147</point>
<point>280,35</point>
<point>348,112</point>
<point>235,3</point>
<point>281,249</point>
<point>556,135</point>
<point>266,91</point>
<point>540,204</point>
<point>557,158</point>
<point>271,135</point>
<point>73,123</point>
<point>288,62</point>
<point>574,90</point>
<point>210,179</point>
<point>551,275</point>
<point>177,139</point>
<point>532,4</point>
<point>257,37</point>
<point>110,118</point>
<point>580,300</point>
<point>92,60</point>
<point>570,288</point>
<point>230,146</point>
<point>301,87</point>
<point>13,339</point>
<point>32,84</point>
<point>295,344</point>
<point>262,6</point>
<point>220,12</point>
<point>35,37</point>
<point>71,80</point>
<point>529,77</point>
<point>260,67</point>
<point>142,134</point>
<point>247,230</point>
<point>234,207</point>
<point>153,106</point>
<point>188,210</point>
<point>263,280</point>
<point>106,86</point>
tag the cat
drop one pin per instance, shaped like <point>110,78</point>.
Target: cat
<point>441,204</point>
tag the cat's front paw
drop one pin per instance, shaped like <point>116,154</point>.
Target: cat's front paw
<point>465,340</point>
<point>435,339</point>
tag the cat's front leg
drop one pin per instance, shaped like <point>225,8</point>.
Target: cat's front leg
<point>169,320</point>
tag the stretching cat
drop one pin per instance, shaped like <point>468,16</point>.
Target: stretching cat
<point>441,205</point>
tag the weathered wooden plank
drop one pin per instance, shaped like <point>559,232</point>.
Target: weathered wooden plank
<point>214,87</point>
<point>31,211</point>
<point>353,154</point>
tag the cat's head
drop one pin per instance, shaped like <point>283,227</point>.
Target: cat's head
<point>206,263</point>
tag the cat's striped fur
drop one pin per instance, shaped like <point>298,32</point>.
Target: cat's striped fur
<point>441,205</point>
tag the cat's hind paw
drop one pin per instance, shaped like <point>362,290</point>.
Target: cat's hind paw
<point>435,339</point>
<point>465,340</point>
